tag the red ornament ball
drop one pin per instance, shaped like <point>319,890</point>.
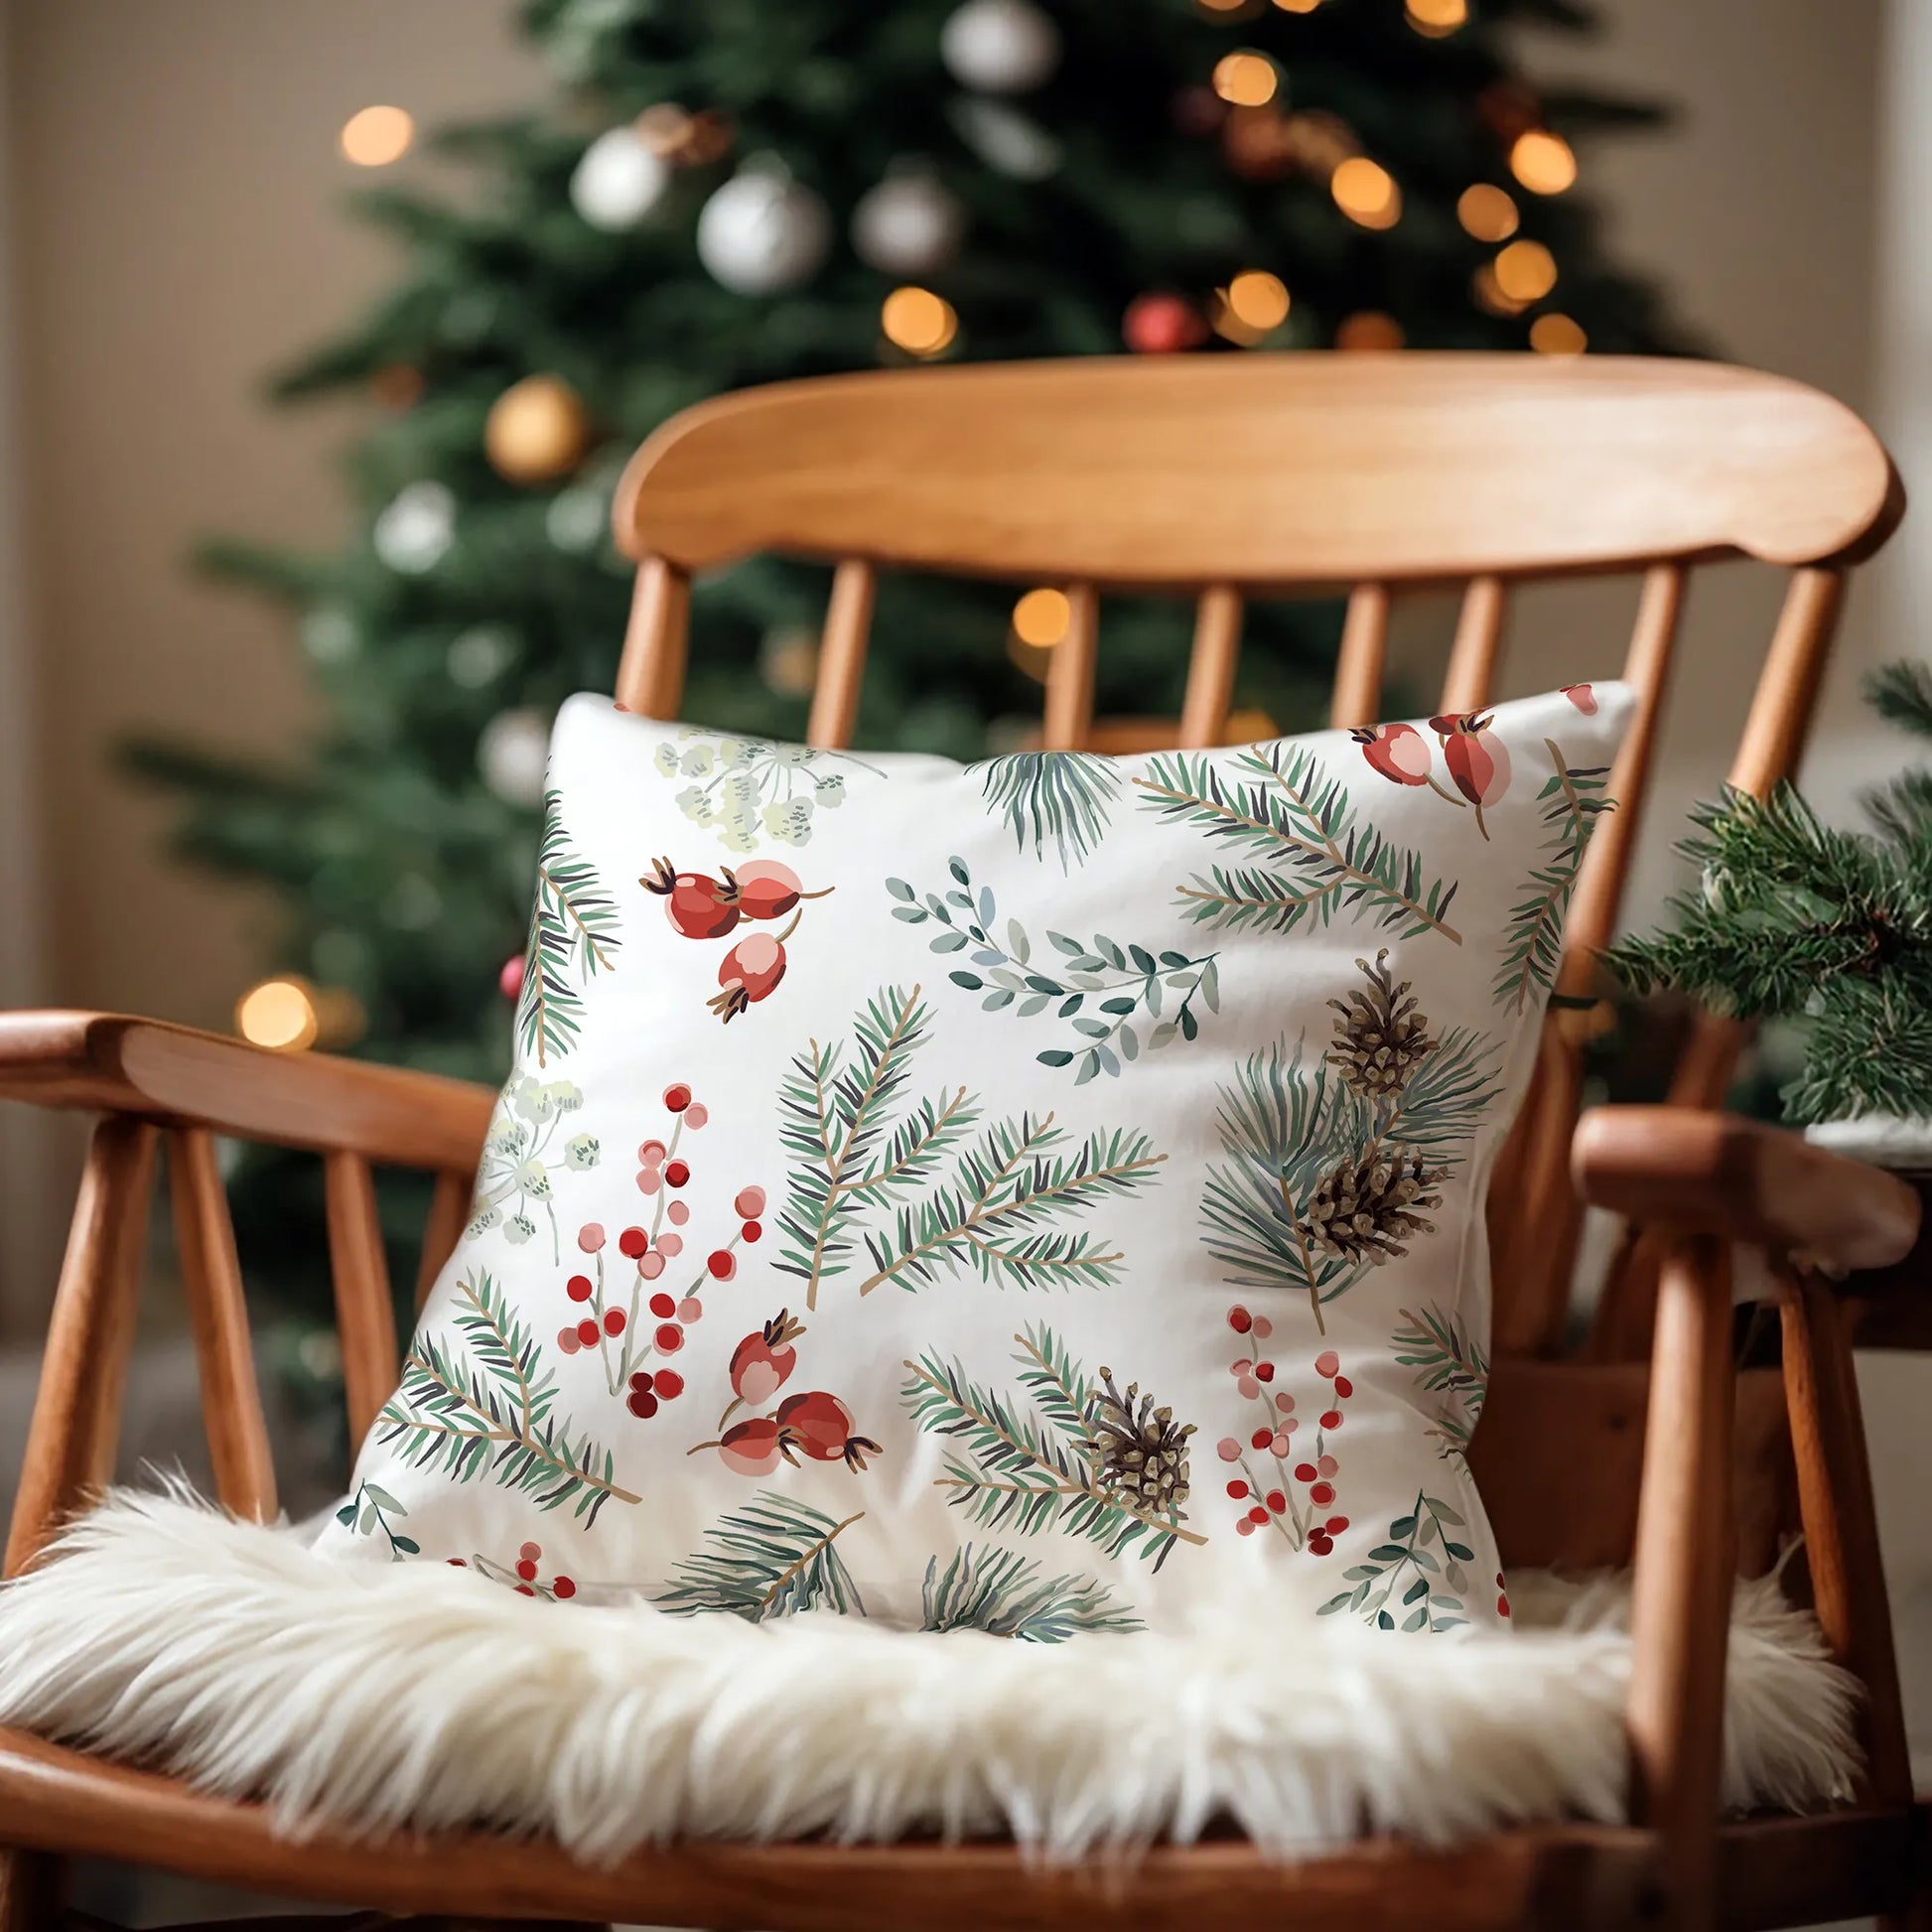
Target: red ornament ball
<point>1162,324</point>
<point>510,982</point>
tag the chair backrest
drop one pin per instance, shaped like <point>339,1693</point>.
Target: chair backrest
<point>1224,477</point>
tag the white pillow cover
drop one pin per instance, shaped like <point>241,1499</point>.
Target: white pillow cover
<point>1043,1195</point>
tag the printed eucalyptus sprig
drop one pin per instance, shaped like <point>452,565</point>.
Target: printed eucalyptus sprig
<point>1313,859</point>
<point>486,1417</point>
<point>369,1510</point>
<point>1064,799</point>
<point>1451,1364</point>
<point>1573,800</point>
<point>574,936</point>
<point>1420,1559</point>
<point>1114,998</point>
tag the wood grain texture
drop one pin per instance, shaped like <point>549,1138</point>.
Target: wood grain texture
<point>1414,466</point>
<point>366,1317</point>
<point>1357,697</point>
<point>650,671</point>
<point>217,1311</point>
<point>1476,648</point>
<point>1210,668</point>
<point>1070,673</point>
<point>842,655</point>
<point>1680,1606</point>
<point>110,1062</point>
<point>84,1369</point>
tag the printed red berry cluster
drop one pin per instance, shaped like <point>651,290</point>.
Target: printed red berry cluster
<point>523,1578</point>
<point>702,908</point>
<point>815,1425</point>
<point>1296,1497</point>
<point>611,1321</point>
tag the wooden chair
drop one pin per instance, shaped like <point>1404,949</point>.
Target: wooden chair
<point>1219,478</point>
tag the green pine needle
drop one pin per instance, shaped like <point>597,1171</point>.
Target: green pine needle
<point>772,1557</point>
<point>1001,1593</point>
<point>1064,799</point>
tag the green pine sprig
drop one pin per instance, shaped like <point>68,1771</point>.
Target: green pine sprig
<point>1065,799</point>
<point>1278,804</point>
<point>1573,800</point>
<point>772,1557</point>
<point>574,936</point>
<point>1001,1593</point>
<point>487,1416</point>
<point>1450,1363</point>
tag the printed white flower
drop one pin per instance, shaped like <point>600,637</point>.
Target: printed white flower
<point>534,1179</point>
<point>666,759</point>
<point>791,823</point>
<point>696,763</point>
<point>582,1152</point>
<point>830,793</point>
<point>518,1229</point>
<point>565,1096</point>
<point>534,1102</point>
<point>695,806</point>
<point>483,1222</point>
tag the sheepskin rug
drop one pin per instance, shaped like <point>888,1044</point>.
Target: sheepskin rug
<point>165,1632</point>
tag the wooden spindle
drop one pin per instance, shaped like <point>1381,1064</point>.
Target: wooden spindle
<point>1841,1523</point>
<point>1211,668</point>
<point>1070,673</point>
<point>1477,645</point>
<point>842,655</point>
<point>1357,695</point>
<point>651,673</point>
<point>449,1210</point>
<point>1680,1605</point>
<point>364,1315</point>
<point>232,1403</point>
<point>83,1370</point>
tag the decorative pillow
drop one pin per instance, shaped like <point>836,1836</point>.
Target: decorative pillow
<point>1043,1195</point>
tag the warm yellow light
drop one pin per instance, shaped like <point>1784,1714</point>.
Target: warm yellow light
<point>1221,6</point>
<point>1486,212</point>
<point>1526,271</point>
<point>1042,617</point>
<point>1370,330</point>
<point>1298,6</point>
<point>1259,299</point>
<point>1555,335</point>
<point>378,136</point>
<point>1436,18</point>
<point>278,1012</point>
<point>1543,162</point>
<point>1366,193</point>
<point>917,320</point>
<point>1488,295</point>
<point>1246,79</point>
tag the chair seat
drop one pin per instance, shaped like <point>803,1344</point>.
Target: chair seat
<point>1776,1870</point>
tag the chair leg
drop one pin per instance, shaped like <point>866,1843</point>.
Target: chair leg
<point>31,1887</point>
<point>1680,1613</point>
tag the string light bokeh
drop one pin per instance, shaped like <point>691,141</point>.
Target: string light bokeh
<point>1366,193</point>
<point>1041,618</point>
<point>377,136</point>
<point>918,321</point>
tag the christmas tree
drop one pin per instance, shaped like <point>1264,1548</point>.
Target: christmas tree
<point>730,192</point>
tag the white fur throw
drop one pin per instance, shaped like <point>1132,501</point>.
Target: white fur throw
<point>367,1696</point>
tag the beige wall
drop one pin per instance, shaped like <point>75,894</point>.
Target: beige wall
<point>179,236</point>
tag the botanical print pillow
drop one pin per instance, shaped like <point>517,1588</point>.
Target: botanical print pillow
<point>1042,1195</point>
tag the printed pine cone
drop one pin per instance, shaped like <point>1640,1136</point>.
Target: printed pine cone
<point>1382,1037</point>
<point>1367,1208</point>
<point>1142,1456</point>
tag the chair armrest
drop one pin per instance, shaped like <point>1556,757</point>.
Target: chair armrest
<point>112,1063</point>
<point>1701,1173</point>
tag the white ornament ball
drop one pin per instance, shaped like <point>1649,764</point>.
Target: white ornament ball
<point>762,232</point>
<point>511,754</point>
<point>1006,139</point>
<point>907,225</point>
<point>618,180</point>
<point>1000,47</point>
<point>417,528</point>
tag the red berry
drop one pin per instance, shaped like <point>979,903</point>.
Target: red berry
<point>641,1403</point>
<point>766,890</point>
<point>721,1265</point>
<point>662,1307</point>
<point>1264,1371</point>
<point>1321,1543</point>
<point>614,1319</point>
<point>1240,1321</point>
<point>1277,1502</point>
<point>563,1586</point>
<point>1328,1362</point>
<point>456,1562</point>
<point>578,1288</point>
<point>676,1172</point>
<point>750,1231</point>
<point>1502,1607</point>
<point>526,1570</point>
<point>1321,1494</point>
<point>752,1448</point>
<point>530,1552</point>
<point>651,1154</point>
<point>1257,1516</point>
<point>643,1381</point>
<point>670,1384</point>
<point>589,1237</point>
<point>747,973</point>
<point>1335,1525</point>
<point>633,1242</point>
<point>677,1098</point>
<point>1304,1473</point>
<point>1344,1387</point>
<point>697,906</point>
<point>669,1337</point>
<point>1261,1439</point>
<point>1238,1490</point>
<point>749,1203</point>
<point>587,1333</point>
<point>1331,1419</point>
<point>524,1590</point>
<point>509,981</point>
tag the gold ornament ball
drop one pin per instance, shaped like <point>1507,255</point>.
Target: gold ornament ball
<point>536,431</point>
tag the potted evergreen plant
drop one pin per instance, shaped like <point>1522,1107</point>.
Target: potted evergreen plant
<point>1827,928</point>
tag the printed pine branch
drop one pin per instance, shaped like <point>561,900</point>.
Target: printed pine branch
<point>574,936</point>
<point>1572,801</point>
<point>1014,1470</point>
<point>772,1557</point>
<point>1066,797</point>
<point>1056,1382</point>
<point>1124,984</point>
<point>1001,1593</point>
<point>990,1215</point>
<point>1450,1363</point>
<point>1281,805</point>
<point>488,1419</point>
